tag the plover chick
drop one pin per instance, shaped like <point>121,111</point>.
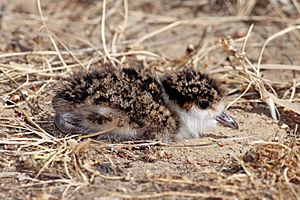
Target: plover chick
<point>135,104</point>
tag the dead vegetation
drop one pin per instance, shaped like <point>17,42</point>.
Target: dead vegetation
<point>241,42</point>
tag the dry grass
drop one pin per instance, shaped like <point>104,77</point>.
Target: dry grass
<point>42,42</point>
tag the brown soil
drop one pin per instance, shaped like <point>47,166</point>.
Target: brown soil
<point>261,160</point>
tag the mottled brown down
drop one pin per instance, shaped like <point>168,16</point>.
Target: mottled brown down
<point>188,87</point>
<point>129,98</point>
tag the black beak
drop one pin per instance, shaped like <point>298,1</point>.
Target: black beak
<point>227,121</point>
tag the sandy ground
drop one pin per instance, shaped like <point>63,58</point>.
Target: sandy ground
<point>216,166</point>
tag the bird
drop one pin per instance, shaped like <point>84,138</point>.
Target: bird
<point>133,103</point>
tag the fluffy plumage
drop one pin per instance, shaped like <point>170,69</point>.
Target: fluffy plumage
<point>138,105</point>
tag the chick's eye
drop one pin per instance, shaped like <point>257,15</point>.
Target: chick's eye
<point>203,104</point>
